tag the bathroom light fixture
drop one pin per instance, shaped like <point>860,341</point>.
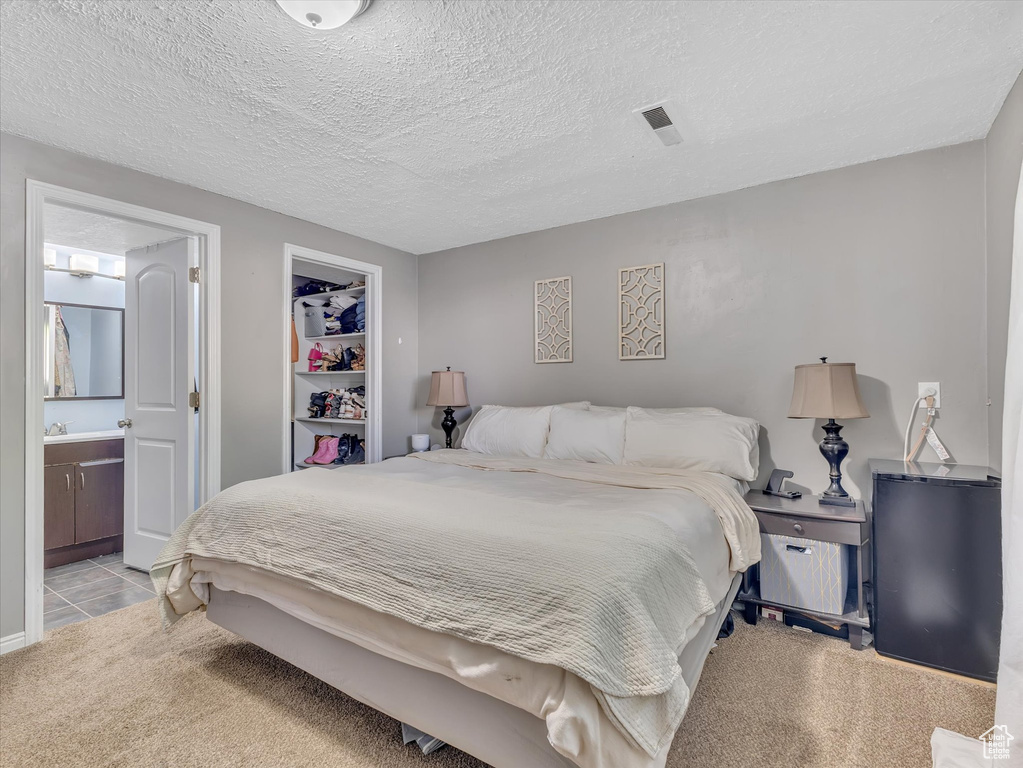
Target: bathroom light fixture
<point>323,14</point>
<point>82,262</point>
<point>119,268</point>
<point>49,257</point>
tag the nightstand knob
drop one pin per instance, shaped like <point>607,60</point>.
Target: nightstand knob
<point>798,528</point>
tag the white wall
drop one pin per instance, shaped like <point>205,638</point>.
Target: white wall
<point>880,264</point>
<point>87,415</point>
<point>254,356</point>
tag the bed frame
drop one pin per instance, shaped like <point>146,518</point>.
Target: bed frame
<point>487,728</point>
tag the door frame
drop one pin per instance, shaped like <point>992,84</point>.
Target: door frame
<point>37,194</point>
<point>374,344</point>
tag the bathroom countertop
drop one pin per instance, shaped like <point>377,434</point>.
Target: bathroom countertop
<point>82,437</point>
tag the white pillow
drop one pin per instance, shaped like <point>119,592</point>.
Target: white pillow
<point>595,436</point>
<point>582,405</point>
<point>702,441</point>
<point>498,430</point>
<point>692,409</point>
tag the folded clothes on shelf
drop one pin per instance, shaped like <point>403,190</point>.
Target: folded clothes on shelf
<point>312,287</point>
<point>342,302</point>
<point>360,313</point>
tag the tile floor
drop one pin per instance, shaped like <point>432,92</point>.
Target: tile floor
<point>89,588</point>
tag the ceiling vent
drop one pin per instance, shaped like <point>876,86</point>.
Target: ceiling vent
<point>657,117</point>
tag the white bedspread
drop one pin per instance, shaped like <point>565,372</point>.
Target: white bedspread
<point>593,579</point>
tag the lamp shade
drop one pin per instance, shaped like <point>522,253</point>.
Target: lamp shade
<point>826,391</point>
<point>447,389</point>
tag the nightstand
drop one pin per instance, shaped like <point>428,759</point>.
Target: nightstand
<point>805,518</point>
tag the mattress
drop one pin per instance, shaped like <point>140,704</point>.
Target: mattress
<point>576,724</point>
<point>496,732</point>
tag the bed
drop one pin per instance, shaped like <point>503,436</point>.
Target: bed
<point>529,611</point>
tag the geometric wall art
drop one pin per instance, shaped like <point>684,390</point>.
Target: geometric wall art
<point>641,312</point>
<point>552,320</point>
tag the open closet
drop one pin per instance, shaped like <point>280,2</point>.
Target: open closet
<point>333,369</point>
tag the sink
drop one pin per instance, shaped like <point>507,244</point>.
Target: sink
<point>81,437</point>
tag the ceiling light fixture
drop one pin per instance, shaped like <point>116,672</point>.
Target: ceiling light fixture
<point>323,14</point>
<point>83,263</point>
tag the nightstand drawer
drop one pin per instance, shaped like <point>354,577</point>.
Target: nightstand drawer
<point>805,528</point>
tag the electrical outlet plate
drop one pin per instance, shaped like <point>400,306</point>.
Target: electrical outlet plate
<point>922,388</point>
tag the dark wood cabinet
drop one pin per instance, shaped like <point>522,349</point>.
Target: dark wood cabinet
<point>99,500</point>
<point>59,506</point>
<point>83,501</point>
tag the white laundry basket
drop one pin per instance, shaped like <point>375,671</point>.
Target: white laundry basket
<point>315,322</point>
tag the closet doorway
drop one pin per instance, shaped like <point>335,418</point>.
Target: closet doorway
<point>332,376</point>
<point>126,390</point>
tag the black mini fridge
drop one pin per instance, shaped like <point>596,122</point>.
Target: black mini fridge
<point>937,571</point>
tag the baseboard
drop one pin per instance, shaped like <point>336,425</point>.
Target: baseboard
<point>75,552</point>
<point>933,671</point>
<point>12,642</point>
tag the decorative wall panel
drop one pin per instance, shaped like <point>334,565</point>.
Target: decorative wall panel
<point>641,312</point>
<point>552,320</point>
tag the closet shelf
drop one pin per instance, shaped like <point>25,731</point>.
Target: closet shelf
<point>328,373</point>
<point>346,292</point>
<point>329,421</point>
<point>330,336</point>
<point>304,465</point>
<point>319,327</point>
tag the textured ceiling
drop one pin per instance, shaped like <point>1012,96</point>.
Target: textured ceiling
<point>94,232</point>
<point>426,124</point>
<point>104,234</point>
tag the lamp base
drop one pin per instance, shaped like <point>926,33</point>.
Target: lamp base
<point>835,449</point>
<point>448,425</point>
<point>836,501</point>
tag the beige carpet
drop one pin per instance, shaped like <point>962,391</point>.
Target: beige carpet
<point>115,691</point>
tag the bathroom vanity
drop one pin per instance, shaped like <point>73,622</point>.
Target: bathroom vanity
<point>83,509</point>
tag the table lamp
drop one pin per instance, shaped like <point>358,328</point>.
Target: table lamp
<point>447,389</point>
<point>829,391</point>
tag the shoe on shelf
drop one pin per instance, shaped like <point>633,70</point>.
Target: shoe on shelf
<point>317,405</point>
<point>343,449</point>
<point>326,451</point>
<point>356,453</point>
<point>359,358</point>
<point>316,357</point>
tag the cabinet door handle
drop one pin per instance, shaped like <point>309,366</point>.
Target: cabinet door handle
<point>82,475</point>
<point>67,479</point>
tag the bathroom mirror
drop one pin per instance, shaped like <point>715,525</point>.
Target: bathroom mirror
<point>84,348</point>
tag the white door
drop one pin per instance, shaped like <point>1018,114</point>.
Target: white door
<point>159,367</point>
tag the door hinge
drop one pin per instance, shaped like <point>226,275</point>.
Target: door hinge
<point>193,274</point>
<point>193,400</point>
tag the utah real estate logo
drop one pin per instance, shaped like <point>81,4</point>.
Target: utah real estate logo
<point>996,743</point>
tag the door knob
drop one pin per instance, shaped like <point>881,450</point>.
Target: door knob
<point>124,423</point>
